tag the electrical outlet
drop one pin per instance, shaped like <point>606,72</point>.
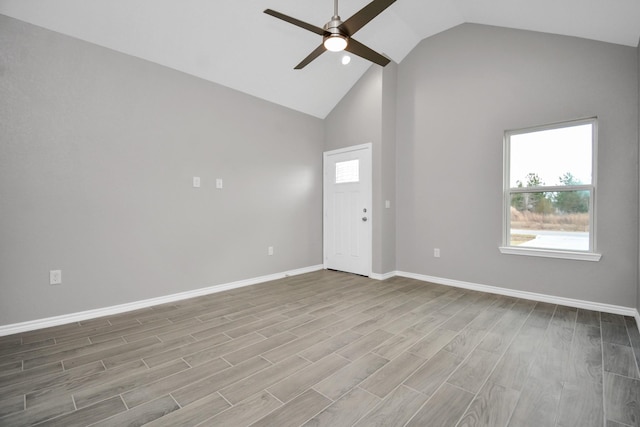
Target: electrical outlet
<point>55,277</point>
<point>436,252</point>
<point>196,181</point>
<point>270,250</point>
<point>218,182</point>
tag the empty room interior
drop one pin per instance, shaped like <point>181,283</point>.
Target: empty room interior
<point>206,222</point>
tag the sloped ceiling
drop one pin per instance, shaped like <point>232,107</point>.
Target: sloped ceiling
<point>233,43</point>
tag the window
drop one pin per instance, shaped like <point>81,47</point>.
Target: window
<point>348,171</point>
<point>549,191</point>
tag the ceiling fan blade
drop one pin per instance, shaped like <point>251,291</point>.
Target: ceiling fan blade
<point>364,15</point>
<point>362,51</point>
<point>313,55</point>
<point>296,22</point>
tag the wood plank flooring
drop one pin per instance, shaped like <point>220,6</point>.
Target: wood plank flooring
<point>329,349</point>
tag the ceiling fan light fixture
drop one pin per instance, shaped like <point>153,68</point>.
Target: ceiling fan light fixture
<point>335,42</point>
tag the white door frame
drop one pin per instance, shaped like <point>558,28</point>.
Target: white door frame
<point>368,180</point>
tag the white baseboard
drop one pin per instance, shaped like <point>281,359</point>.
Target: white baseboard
<point>384,276</point>
<point>122,308</point>
<point>571,302</point>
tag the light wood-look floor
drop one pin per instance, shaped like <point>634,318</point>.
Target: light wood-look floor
<point>329,349</point>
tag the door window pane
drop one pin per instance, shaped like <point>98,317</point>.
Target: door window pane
<point>348,171</point>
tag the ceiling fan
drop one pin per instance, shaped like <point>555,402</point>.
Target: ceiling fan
<point>337,35</point>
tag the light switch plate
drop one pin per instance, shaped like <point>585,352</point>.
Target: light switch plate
<point>196,181</point>
<point>218,182</point>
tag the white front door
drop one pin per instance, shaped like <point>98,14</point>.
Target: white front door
<point>347,209</point>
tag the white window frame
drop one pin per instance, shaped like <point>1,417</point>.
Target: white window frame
<point>506,248</point>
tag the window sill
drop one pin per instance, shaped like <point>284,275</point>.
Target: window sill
<point>549,253</point>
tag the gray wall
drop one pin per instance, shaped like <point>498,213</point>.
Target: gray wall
<point>97,154</point>
<point>98,150</point>
<point>457,93</point>
<point>638,54</point>
<point>388,167</point>
<point>356,118</point>
<point>367,114</point>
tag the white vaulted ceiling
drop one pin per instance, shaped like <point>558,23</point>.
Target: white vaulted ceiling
<point>233,43</point>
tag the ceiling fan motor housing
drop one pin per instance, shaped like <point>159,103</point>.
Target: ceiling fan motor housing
<point>332,26</point>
